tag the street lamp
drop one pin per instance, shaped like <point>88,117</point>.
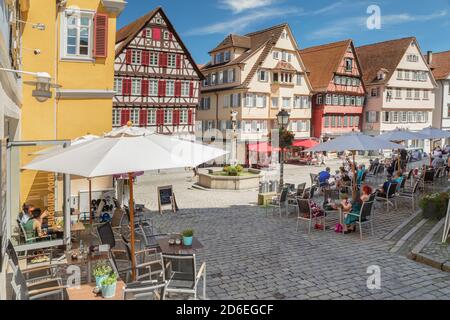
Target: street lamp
<point>233,115</point>
<point>283,122</point>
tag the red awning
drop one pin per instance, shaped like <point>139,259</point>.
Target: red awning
<point>263,147</point>
<point>308,143</point>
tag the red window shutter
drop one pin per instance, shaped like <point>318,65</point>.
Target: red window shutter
<point>190,117</point>
<point>143,117</point>
<point>100,35</point>
<point>178,88</point>
<point>170,35</point>
<point>126,87</point>
<point>144,33</point>
<point>145,58</point>
<point>178,61</point>
<point>163,60</point>
<point>128,56</point>
<point>144,87</point>
<point>176,117</point>
<point>123,117</point>
<point>156,34</point>
<point>162,88</point>
<point>159,117</point>
<point>191,89</point>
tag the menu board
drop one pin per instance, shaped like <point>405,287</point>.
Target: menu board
<point>166,197</point>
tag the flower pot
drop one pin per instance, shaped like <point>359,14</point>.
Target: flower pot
<point>109,291</point>
<point>187,241</point>
<point>99,279</point>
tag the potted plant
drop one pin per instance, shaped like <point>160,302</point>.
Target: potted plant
<point>434,205</point>
<point>101,272</point>
<point>109,286</point>
<point>187,237</point>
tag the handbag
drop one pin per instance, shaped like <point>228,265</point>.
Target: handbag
<point>338,228</point>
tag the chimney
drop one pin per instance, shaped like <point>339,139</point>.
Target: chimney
<point>429,57</point>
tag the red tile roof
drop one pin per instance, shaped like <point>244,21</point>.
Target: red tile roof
<point>440,65</point>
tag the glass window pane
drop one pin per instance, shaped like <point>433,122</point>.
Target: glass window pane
<point>72,41</point>
<point>84,51</point>
<point>84,32</point>
<point>72,32</point>
<point>84,21</point>
<point>84,41</point>
<point>72,21</point>
<point>71,50</point>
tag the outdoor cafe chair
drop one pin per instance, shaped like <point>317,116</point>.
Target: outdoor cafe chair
<point>304,213</point>
<point>314,179</point>
<point>33,290</point>
<point>410,194</point>
<point>300,188</point>
<point>182,275</point>
<point>428,178</point>
<point>149,264</point>
<point>280,202</point>
<point>390,197</point>
<point>145,290</point>
<point>107,236</point>
<point>30,239</point>
<point>365,215</point>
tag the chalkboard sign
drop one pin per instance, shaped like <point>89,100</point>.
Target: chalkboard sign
<point>166,196</point>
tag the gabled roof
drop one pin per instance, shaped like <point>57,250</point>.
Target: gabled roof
<point>233,40</point>
<point>126,34</point>
<point>323,61</point>
<point>377,56</point>
<point>256,41</point>
<point>440,65</point>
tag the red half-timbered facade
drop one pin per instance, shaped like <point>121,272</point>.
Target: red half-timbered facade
<point>339,92</point>
<point>156,79</point>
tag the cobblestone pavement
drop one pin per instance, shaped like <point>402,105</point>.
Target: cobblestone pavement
<point>251,255</point>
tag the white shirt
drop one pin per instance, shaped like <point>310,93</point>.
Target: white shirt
<point>25,218</point>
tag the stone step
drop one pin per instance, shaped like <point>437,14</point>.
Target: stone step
<point>406,238</point>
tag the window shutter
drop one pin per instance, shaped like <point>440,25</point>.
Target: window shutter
<point>145,58</point>
<point>128,56</point>
<point>190,117</point>
<point>100,35</point>
<point>178,88</point>
<point>170,35</point>
<point>191,89</point>
<point>156,34</point>
<point>144,87</point>
<point>144,33</point>
<point>126,87</point>
<point>225,77</point>
<point>377,116</point>
<point>143,117</point>
<point>122,117</point>
<point>178,65</point>
<point>176,117</point>
<point>239,100</point>
<point>163,60</point>
<point>161,88</point>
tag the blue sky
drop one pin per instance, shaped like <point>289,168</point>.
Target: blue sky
<point>202,24</point>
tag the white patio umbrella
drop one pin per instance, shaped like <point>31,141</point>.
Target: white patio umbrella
<point>399,135</point>
<point>354,142</point>
<point>431,133</point>
<point>125,150</point>
<point>74,142</point>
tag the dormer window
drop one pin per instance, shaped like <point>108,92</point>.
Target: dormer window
<point>381,75</point>
<point>284,35</point>
<point>262,76</point>
<point>284,56</point>
<point>412,58</point>
<point>219,58</point>
<point>348,64</point>
<point>276,55</point>
<point>227,56</point>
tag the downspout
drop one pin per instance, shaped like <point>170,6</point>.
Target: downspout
<point>55,70</point>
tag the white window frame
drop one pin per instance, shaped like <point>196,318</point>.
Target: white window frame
<point>276,104</point>
<point>399,74</point>
<point>262,78</point>
<point>172,60</point>
<point>276,55</point>
<point>136,57</point>
<point>64,35</point>
<point>288,100</point>
<point>184,116</point>
<point>136,87</point>
<point>166,35</point>
<point>398,93</point>
<point>153,87</point>
<point>118,85</point>
<point>170,88</point>
<point>151,116</point>
<point>168,116</point>
<point>185,88</point>
<point>426,95</point>
<point>116,117</point>
<point>134,116</point>
<point>299,79</point>
<point>154,59</point>
<point>231,76</point>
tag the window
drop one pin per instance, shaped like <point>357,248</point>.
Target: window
<point>354,82</point>
<point>319,99</point>
<point>287,103</point>
<point>399,74</point>
<point>425,95</point>
<point>395,116</point>
<point>205,103</point>
<point>134,116</point>
<point>398,93</point>
<point>236,97</point>
<point>289,57</point>
<point>153,87</point>
<point>340,120</point>
<point>448,110</point>
<point>172,60</point>
<point>227,56</point>
<point>249,103</point>
<point>136,87</point>
<point>347,100</point>
<point>153,58</point>
<point>345,121</point>
<point>337,80</point>
<point>410,116</point>
<point>136,57</point>
<point>116,117</point>
<point>333,121</point>
<point>213,78</point>
<point>168,116</point>
<point>374,92</point>
<point>184,116</point>
<point>341,100</point>
<point>408,93</point>
<point>260,101</point>
<point>231,75</point>
<point>404,117</point>
<point>275,77</point>
<point>166,35</point>
<point>406,75</point>
<point>350,122</point>
<point>151,116</point>
<point>275,103</point>
<point>78,35</point>
<point>386,117</point>
<point>297,102</point>
<point>380,75</point>
<point>326,121</point>
<point>371,116</point>
<point>299,79</point>
<point>262,76</point>
<point>170,88</point>
<point>348,64</point>
<point>412,58</point>
<point>284,34</point>
<point>185,88</point>
<point>356,121</point>
<point>226,101</point>
<point>276,55</point>
<point>425,116</point>
<point>416,94</point>
<point>328,99</point>
<point>419,116</point>
<point>286,77</point>
<point>415,75</point>
<point>335,100</point>
<point>118,85</point>
<point>284,55</point>
<point>423,76</point>
<point>220,77</point>
<point>219,58</point>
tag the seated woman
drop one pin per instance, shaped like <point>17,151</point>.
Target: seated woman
<point>360,174</point>
<point>398,178</point>
<point>316,213</point>
<point>349,220</point>
<point>33,227</point>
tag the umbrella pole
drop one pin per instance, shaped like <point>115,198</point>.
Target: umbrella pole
<point>354,177</point>
<point>90,201</point>
<point>399,168</point>
<point>132,241</point>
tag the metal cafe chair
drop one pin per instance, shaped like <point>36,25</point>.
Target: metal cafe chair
<point>390,197</point>
<point>365,215</point>
<point>145,290</point>
<point>280,202</point>
<point>411,194</point>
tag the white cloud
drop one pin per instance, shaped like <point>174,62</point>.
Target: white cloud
<point>240,23</point>
<point>238,6</point>
<point>345,27</point>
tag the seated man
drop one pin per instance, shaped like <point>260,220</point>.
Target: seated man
<point>438,162</point>
<point>384,189</point>
<point>323,177</point>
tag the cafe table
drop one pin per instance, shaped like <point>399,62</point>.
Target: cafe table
<point>86,292</point>
<point>87,259</point>
<point>181,249</point>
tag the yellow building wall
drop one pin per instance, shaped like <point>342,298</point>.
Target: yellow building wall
<point>62,119</point>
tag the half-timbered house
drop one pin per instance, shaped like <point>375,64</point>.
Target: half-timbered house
<point>156,79</point>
